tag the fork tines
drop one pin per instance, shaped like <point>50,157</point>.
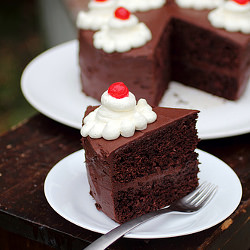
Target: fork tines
<point>202,195</point>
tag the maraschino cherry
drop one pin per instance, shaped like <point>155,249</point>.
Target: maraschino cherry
<point>118,90</point>
<point>101,0</point>
<point>242,2</point>
<point>122,13</point>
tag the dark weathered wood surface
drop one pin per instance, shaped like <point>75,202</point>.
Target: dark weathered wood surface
<point>30,150</point>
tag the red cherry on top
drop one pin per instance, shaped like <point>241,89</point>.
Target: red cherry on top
<point>241,1</point>
<point>100,0</point>
<point>122,13</point>
<point>118,90</point>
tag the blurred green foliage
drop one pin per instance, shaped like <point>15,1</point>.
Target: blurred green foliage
<point>20,41</point>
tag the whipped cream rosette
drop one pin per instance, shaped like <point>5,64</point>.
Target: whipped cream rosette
<point>118,115</point>
<point>98,14</point>
<point>122,33</point>
<point>233,16</point>
<point>141,5</point>
<point>199,4</point>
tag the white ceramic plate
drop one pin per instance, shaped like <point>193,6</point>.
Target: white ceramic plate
<point>67,191</point>
<point>51,84</point>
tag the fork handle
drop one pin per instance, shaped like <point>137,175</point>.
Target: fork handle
<point>113,235</point>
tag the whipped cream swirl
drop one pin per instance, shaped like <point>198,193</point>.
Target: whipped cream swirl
<point>99,13</point>
<point>199,4</point>
<point>117,117</point>
<point>141,5</point>
<point>122,35</point>
<point>231,16</point>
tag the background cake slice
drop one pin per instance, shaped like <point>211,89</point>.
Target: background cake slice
<point>185,47</point>
<point>130,176</point>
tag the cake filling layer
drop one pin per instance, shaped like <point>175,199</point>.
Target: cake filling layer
<point>158,193</point>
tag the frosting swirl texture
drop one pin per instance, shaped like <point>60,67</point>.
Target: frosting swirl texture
<point>199,4</point>
<point>141,5</point>
<point>121,35</point>
<point>99,13</point>
<point>232,16</point>
<point>117,116</point>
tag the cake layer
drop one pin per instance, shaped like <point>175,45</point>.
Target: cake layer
<point>157,190</point>
<point>154,194</point>
<point>105,177</point>
<point>174,140</point>
<point>224,85</point>
<point>210,64</point>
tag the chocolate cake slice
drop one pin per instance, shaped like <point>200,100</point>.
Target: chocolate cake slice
<point>131,176</point>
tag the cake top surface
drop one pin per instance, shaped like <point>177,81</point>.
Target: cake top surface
<point>119,114</point>
<point>98,13</point>
<point>165,116</point>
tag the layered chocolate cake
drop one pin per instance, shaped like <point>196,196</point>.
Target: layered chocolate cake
<point>138,159</point>
<point>186,45</point>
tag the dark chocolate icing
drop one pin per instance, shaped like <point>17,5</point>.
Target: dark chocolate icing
<point>165,116</point>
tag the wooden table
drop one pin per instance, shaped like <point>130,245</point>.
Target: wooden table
<point>30,150</point>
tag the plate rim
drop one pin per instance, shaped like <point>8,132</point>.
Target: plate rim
<point>137,235</point>
<point>73,44</point>
<point>29,97</point>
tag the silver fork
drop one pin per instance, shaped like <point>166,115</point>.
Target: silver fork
<point>190,203</point>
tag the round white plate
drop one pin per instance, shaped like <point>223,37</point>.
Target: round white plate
<point>67,191</point>
<point>51,83</point>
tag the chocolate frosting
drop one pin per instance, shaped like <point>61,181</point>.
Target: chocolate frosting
<point>165,116</point>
